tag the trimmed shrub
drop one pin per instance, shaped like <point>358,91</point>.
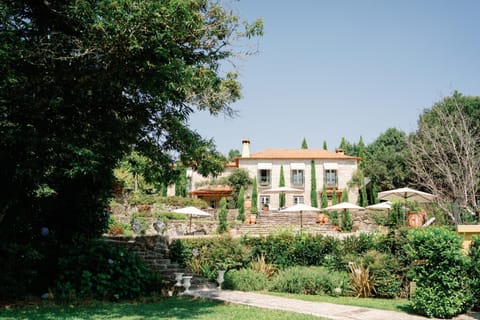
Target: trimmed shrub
<point>205,256</point>
<point>286,249</point>
<point>474,271</point>
<point>358,244</point>
<point>98,270</point>
<point>310,280</point>
<point>19,269</point>
<point>439,268</point>
<point>245,280</point>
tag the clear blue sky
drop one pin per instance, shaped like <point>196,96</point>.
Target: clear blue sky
<point>332,69</point>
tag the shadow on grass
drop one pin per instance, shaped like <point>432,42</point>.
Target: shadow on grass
<point>174,308</point>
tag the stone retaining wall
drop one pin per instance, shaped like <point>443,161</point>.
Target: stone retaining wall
<point>153,250</point>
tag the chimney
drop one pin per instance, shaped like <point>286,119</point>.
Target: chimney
<point>340,151</point>
<point>245,148</point>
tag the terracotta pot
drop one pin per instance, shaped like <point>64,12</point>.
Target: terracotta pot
<point>322,218</point>
<point>416,219</point>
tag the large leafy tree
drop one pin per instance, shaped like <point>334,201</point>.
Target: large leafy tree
<point>445,152</point>
<point>238,179</point>
<point>386,160</point>
<point>84,82</point>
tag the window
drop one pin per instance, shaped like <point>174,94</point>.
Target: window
<point>331,178</point>
<point>297,199</point>
<point>265,177</point>
<point>297,177</point>
<point>264,201</point>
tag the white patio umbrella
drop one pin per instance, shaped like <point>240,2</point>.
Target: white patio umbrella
<point>387,205</point>
<point>406,194</point>
<point>300,208</point>
<point>343,206</point>
<point>191,211</point>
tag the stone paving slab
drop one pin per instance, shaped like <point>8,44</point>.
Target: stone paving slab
<point>321,309</point>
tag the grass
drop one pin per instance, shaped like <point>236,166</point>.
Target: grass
<point>399,305</point>
<point>174,308</point>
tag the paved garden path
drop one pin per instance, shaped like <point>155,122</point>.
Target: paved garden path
<point>321,309</point>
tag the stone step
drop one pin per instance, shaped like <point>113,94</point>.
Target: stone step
<point>270,222</point>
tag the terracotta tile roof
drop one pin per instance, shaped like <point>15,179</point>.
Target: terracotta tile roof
<point>213,190</point>
<point>304,154</point>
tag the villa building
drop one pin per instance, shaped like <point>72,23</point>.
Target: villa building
<point>334,169</point>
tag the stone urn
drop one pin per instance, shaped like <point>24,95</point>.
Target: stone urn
<point>220,278</point>
<point>178,278</point>
<point>187,283</point>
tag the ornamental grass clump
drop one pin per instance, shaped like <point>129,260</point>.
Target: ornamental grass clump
<point>310,280</point>
<point>362,283</point>
<point>259,265</point>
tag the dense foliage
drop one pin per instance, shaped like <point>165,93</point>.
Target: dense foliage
<point>310,280</point>
<point>205,256</point>
<point>379,265</point>
<point>386,160</point>
<point>440,271</point>
<point>245,280</point>
<point>101,271</point>
<point>474,271</point>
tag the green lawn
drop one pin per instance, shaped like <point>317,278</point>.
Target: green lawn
<point>400,305</point>
<point>174,308</point>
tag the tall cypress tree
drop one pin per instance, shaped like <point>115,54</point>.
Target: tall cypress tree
<point>281,196</point>
<point>346,220</point>
<point>304,144</point>
<point>345,195</point>
<point>324,196</point>
<point>181,183</point>
<point>241,204</point>
<point>325,145</point>
<point>361,152</point>
<point>222,217</point>
<point>343,144</point>
<point>363,197</point>
<point>313,189</point>
<point>374,193</point>
<point>334,214</point>
<point>346,217</point>
<point>254,208</point>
